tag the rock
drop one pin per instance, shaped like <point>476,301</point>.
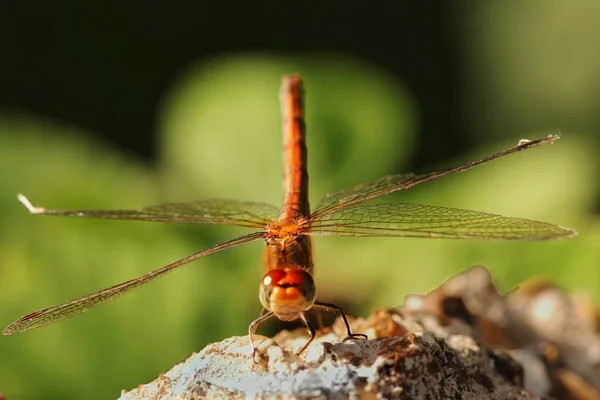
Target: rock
<point>463,340</point>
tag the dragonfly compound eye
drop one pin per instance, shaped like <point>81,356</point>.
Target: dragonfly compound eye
<point>287,292</point>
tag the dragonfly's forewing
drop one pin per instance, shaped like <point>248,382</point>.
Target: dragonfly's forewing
<point>221,212</point>
<point>356,194</point>
<point>70,308</point>
<point>390,184</point>
<point>419,220</point>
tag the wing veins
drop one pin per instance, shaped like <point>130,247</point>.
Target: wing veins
<point>393,183</point>
<point>220,212</point>
<point>83,303</point>
<point>406,219</point>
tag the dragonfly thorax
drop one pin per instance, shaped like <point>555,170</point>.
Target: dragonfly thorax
<point>286,227</point>
<point>287,293</point>
<point>287,288</point>
<point>288,252</point>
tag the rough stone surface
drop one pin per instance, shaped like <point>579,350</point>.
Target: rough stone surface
<point>461,341</point>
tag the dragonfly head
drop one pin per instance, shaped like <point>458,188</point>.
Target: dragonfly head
<point>287,293</point>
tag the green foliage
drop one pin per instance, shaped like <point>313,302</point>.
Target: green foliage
<point>220,138</point>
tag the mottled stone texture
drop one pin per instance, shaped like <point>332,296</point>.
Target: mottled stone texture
<point>462,341</point>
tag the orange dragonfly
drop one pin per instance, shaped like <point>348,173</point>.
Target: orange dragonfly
<point>287,290</point>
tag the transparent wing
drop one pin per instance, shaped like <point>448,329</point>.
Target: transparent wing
<point>222,212</point>
<point>394,183</point>
<point>357,194</point>
<point>70,308</point>
<point>419,220</point>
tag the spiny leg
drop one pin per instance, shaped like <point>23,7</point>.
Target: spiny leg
<point>330,306</point>
<point>311,331</point>
<point>319,317</point>
<point>264,315</point>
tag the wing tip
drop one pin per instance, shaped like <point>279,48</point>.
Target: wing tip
<point>532,143</point>
<point>32,209</point>
<point>8,330</point>
<point>558,233</point>
<point>567,233</point>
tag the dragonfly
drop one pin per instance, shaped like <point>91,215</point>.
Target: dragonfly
<point>287,289</point>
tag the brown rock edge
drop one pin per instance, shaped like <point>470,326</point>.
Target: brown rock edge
<point>463,340</point>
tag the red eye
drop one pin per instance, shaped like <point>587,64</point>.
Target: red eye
<point>273,277</point>
<point>287,292</point>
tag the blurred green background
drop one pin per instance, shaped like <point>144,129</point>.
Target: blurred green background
<point>449,85</point>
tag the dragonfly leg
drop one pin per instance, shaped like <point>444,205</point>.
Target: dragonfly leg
<point>264,315</point>
<point>311,331</point>
<point>319,317</point>
<point>331,306</point>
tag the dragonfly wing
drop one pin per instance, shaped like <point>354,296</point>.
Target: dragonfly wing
<point>419,220</point>
<point>222,212</point>
<point>70,308</point>
<point>354,195</point>
<point>395,183</point>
